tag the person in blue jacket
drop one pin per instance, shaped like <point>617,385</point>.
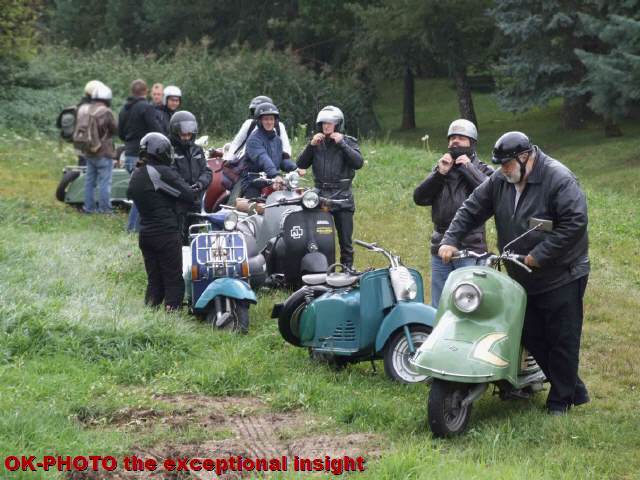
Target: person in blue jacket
<point>264,151</point>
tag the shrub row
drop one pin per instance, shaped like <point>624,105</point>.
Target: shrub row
<point>217,86</point>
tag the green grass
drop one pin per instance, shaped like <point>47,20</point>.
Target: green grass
<point>77,343</point>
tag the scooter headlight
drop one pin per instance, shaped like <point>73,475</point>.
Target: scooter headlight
<point>231,221</point>
<point>403,283</point>
<point>310,199</point>
<point>467,297</point>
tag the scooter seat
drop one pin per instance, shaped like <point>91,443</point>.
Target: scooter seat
<point>341,279</point>
<point>314,278</point>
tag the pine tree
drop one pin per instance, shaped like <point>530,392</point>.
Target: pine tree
<point>539,62</point>
<point>613,74</point>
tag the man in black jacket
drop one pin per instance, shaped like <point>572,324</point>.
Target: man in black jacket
<point>171,100</point>
<point>448,185</point>
<point>533,189</point>
<point>137,118</point>
<point>190,162</point>
<point>334,157</point>
<point>157,190</point>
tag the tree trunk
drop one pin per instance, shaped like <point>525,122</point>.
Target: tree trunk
<point>574,112</point>
<point>612,129</point>
<point>465,101</point>
<point>408,104</point>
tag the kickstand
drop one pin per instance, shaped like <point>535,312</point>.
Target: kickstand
<point>373,365</point>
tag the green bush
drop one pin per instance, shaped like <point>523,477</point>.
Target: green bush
<point>217,86</point>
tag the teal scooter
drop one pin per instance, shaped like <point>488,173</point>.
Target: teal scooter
<point>477,342</point>
<point>344,317</point>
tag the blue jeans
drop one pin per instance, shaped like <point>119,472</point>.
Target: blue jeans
<point>440,272</point>
<point>133,224</point>
<point>98,174</point>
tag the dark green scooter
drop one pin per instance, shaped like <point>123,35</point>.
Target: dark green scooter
<point>477,342</point>
<point>345,317</point>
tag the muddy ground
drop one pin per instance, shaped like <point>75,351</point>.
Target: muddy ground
<point>229,426</point>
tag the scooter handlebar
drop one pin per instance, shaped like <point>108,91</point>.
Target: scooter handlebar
<point>370,246</point>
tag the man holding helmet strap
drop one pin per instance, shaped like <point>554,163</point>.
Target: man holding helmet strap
<point>448,185</point>
<point>171,101</point>
<point>531,190</point>
<point>157,189</point>
<point>237,147</point>
<point>190,162</point>
<point>334,158</point>
<point>264,150</point>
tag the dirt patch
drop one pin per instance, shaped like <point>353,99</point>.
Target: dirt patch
<point>255,433</point>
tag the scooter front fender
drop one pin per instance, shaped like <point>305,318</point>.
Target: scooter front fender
<point>404,313</point>
<point>226,287</point>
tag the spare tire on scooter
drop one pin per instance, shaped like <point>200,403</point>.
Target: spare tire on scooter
<point>67,178</point>
<point>291,311</point>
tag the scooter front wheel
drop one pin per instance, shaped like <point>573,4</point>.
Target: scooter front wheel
<point>447,416</point>
<point>398,352</point>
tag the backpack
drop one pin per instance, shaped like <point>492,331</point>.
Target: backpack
<point>232,171</point>
<point>66,123</point>
<point>86,136</point>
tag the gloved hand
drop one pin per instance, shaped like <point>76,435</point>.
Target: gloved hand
<point>196,187</point>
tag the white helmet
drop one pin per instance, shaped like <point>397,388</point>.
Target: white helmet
<point>91,86</point>
<point>170,91</point>
<point>463,127</point>
<point>102,93</point>
<point>330,114</point>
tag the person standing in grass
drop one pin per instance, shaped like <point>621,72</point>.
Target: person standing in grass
<point>190,162</point>
<point>334,158</point>
<point>531,190</point>
<point>157,189</point>
<point>453,178</point>
<point>93,135</point>
<point>136,119</point>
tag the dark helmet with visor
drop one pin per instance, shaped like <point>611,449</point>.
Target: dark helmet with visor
<point>183,122</point>
<point>155,146</point>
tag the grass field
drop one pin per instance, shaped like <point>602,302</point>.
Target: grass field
<point>86,369</point>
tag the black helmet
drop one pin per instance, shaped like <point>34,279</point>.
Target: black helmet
<point>266,108</point>
<point>257,101</point>
<point>156,146</point>
<point>183,122</point>
<point>509,146</point>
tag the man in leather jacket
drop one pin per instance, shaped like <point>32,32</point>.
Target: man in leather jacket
<point>530,190</point>
<point>448,185</point>
<point>190,162</point>
<point>334,158</point>
<point>157,189</point>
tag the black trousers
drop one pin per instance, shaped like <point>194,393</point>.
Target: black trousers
<point>552,329</point>
<point>343,220</point>
<point>163,262</point>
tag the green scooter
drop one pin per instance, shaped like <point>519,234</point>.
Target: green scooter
<point>476,342</point>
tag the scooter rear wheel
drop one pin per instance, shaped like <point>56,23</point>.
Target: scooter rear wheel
<point>447,416</point>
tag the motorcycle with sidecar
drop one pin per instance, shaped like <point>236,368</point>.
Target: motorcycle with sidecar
<point>346,317</point>
<point>477,342</point>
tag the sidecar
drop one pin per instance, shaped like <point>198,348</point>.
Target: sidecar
<point>70,190</point>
